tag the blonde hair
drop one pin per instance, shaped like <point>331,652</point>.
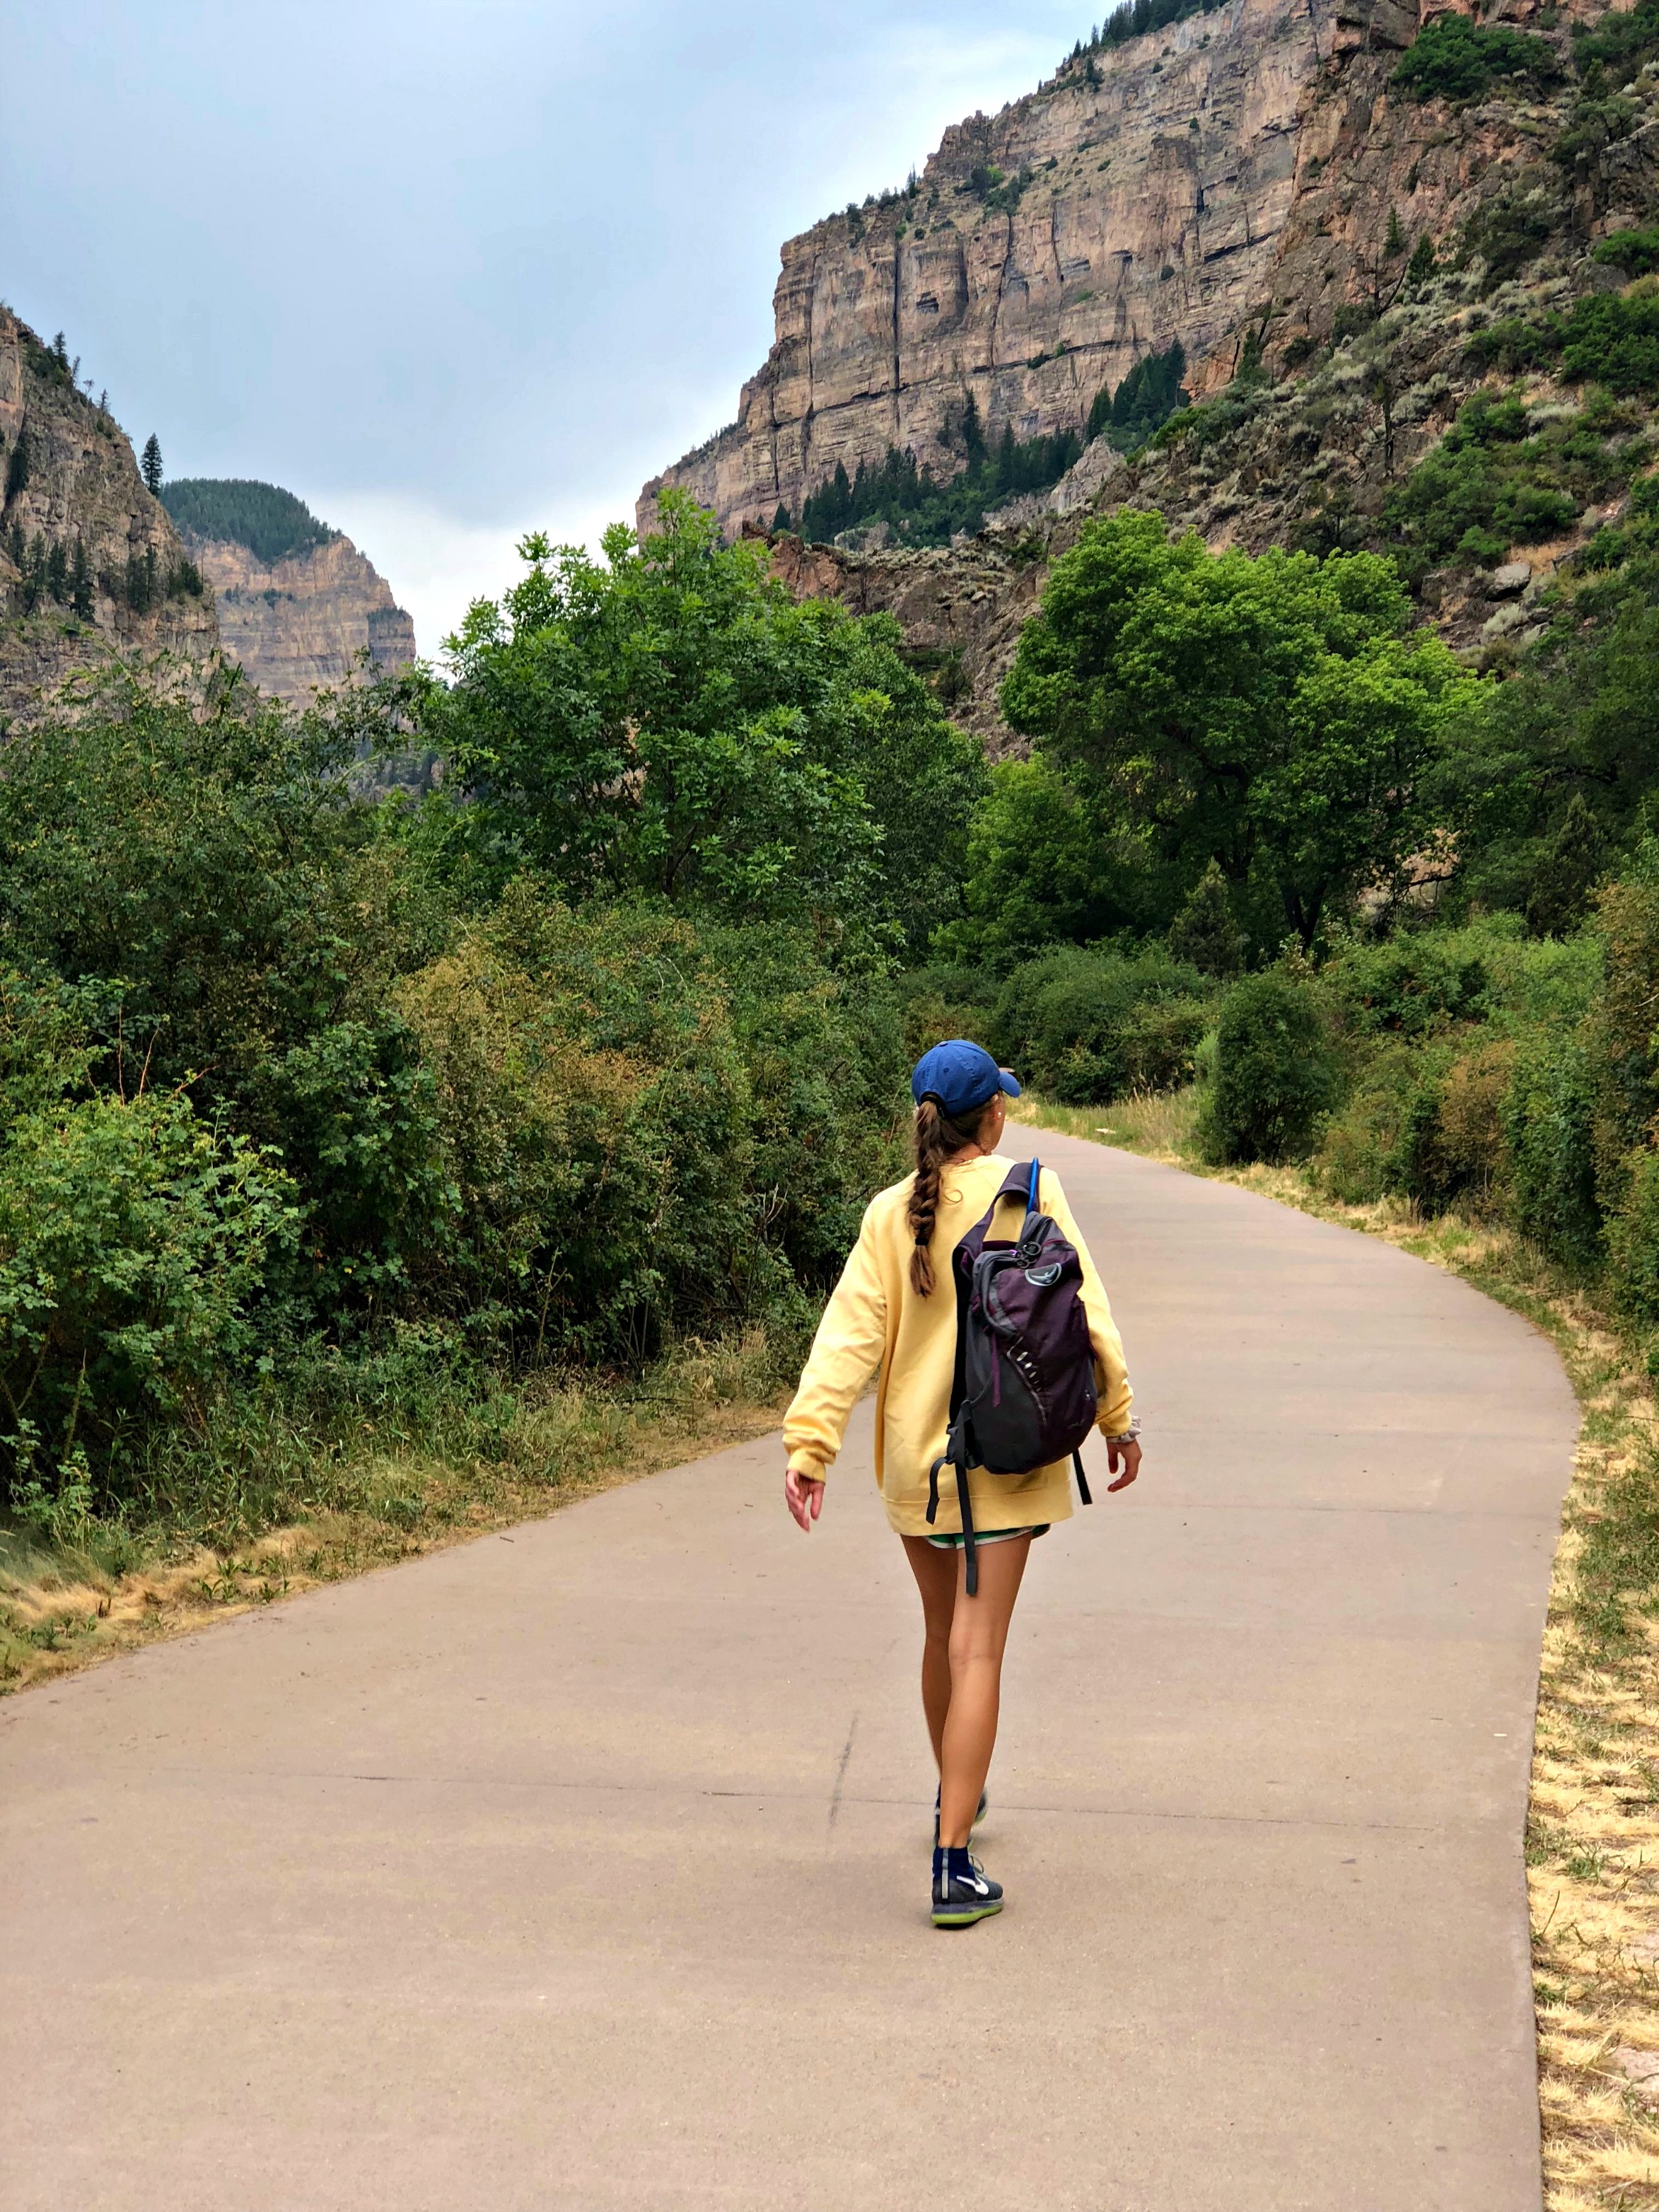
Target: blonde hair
<point>938,1137</point>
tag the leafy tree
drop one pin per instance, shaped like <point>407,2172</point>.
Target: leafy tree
<point>151,465</point>
<point>1582,726</point>
<point>1042,865</point>
<point>1272,714</point>
<point>673,723</point>
<point>1204,933</point>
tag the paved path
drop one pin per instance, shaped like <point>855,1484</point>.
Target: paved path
<point>586,1868</point>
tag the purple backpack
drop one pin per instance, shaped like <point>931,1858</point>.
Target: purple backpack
<point>1023,1392</point>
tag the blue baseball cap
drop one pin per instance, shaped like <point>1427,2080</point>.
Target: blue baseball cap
<point>959,1076</point>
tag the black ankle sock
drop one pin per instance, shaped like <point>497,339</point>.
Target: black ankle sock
<point>951,1859</point>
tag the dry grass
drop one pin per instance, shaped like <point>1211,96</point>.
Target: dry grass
<point>60,1609</point>
<point>1593,1828</point>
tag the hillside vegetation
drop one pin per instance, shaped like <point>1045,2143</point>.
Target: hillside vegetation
<point>270,522</point>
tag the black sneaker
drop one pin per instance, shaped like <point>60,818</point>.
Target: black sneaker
<point>963,1892</point>
<point>984,1800</point>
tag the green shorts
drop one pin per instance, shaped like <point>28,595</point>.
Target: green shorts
<point>982,1536</point>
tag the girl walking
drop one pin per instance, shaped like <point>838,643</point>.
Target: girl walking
<point>896,1307</point>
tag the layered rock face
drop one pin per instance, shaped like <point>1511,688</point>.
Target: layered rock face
<point>90,565</point>
<point>1362,370</point>
<point>303,621</point>
<point>1139,208</point>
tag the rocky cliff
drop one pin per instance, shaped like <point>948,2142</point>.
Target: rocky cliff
<point>1142,198</point>
<point>303,620</point>
<point>1377,247</point>
<point>90,565</point>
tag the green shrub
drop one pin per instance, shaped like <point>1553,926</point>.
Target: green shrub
<point>1510,231</point>
<point>939,1002</point>
<point>134,1242</point>
<point>1359,1147</point>
<point>1613,339</point>
<point>1408,987</point>
<point>1548,1122</point>
<point>1634,1244</point>
<point>1276,1073</point>
<point>1635,252</point>
<point>1493,481</point>
<point>1087,1027</point>
<point>645,1130</point>
<point>1617,42</point>
<point>1454,59</point>
<point>1452,1149</point>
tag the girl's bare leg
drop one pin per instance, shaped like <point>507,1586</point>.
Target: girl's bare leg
<point>936,1578</point>
<point>979,1634</point>
<point>962,1666</point>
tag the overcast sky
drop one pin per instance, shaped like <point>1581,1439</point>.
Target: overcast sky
<point>453,272</point>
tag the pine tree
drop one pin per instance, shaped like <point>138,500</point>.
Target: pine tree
<point>81,583</point>
<point>1100,413</point>
<point>1421,266</point>
<point>151,465</point>
<point>58,572</point>
<point>1395,241</point>
<point>17,467</point>
<point>1006,462</point>
<point>1204,932</point>
<point>780,520</point>
<point>973,433</point>
<point>1572,860</point>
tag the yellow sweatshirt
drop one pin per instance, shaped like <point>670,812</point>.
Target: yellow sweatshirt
<point>874,1318</point>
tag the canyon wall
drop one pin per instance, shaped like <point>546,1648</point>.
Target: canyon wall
<point>1355,370</point>
<point>1144,197</point>
<point>302,621</point>
<point>90,565</point>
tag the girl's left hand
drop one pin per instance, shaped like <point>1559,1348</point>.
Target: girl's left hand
<point>804,1497</point>
<point>1126,1454</point>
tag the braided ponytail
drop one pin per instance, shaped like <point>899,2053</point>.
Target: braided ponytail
<point>938,1138</point>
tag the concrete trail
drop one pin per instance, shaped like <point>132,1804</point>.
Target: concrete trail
<point>587,1866</point>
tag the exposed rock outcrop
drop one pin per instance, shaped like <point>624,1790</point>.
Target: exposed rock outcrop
<point>1362,368</point>
<point>304,621</point>
<point>1142,199</point>
<point>90,565</point>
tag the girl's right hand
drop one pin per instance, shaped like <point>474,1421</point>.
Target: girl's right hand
<point>804,1496</point>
